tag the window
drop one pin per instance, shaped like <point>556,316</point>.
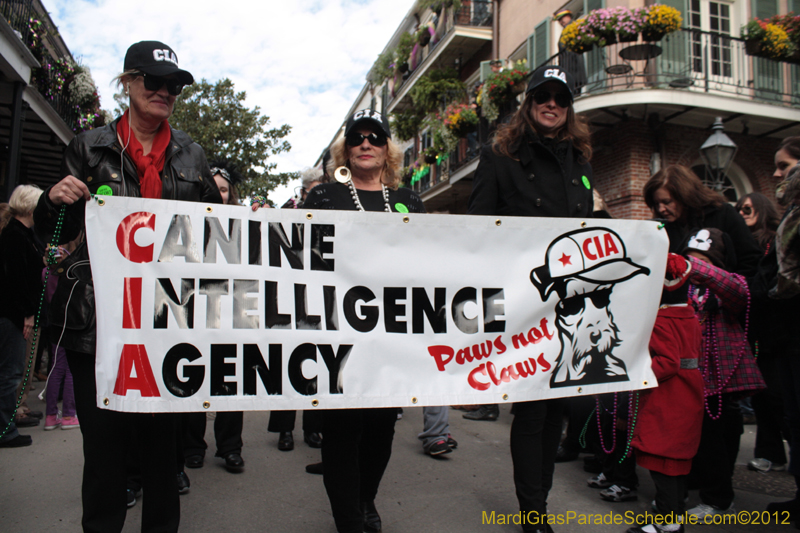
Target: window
<point>716,18</point>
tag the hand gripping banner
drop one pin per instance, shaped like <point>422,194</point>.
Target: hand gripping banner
<point>216,307</point>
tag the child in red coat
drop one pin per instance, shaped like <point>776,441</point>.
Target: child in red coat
<point>670,419</point>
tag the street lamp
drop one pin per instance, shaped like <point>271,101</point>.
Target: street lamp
<point>718,152</point>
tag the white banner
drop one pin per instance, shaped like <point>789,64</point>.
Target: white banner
<point>216,307</point>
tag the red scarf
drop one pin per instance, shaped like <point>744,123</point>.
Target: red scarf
<point>148,166</point>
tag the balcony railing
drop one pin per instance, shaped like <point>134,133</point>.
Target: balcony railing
<point>18,14</point>
<point>476,13</point>
<point>690,60</point>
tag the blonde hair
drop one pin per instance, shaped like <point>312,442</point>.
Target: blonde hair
<point>24,199</point>
<point>120,79</point>
<point>392,168</point>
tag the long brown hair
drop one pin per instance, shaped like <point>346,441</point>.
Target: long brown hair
<point>574,130</point>
<point>767,217</point>
<point>791,145</point>
<point>685,188</point>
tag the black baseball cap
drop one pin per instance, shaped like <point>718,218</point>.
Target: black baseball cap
<point>371,117</point>
<point>551,73</point>
<point>157,59</point>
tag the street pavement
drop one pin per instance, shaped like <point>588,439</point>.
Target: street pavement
<point>40,485</point>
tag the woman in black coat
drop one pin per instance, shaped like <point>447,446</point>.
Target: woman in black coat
<point>537,165</point>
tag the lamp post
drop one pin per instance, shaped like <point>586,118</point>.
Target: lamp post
<point>718,152</point>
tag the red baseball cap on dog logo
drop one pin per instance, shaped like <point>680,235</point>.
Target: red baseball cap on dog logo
<point>596,255</point>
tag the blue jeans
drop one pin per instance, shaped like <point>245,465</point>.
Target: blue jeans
<point>436,425</point>
<point>12,362</point>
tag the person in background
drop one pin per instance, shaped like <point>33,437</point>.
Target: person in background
<point>137,155</point>
<point>676,195</point>
<point>21,289</point>
<point>783,327</point>
<point>762,218</point>
<point>227,424</point>
<point>546,139</point>
<point>721,302</point>
<point>309,178</point>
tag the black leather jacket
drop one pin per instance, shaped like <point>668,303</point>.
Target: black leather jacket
<point>94,157</point>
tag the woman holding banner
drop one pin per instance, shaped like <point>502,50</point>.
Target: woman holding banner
<point>357,443</point>
<point>138,155</point>
<point>537,165</point>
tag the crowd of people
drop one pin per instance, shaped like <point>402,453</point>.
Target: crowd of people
<point>730,294</point>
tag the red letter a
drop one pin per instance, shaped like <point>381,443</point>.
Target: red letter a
<point>135,356</point>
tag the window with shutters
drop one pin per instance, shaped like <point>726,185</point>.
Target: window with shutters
<point>716,18</point>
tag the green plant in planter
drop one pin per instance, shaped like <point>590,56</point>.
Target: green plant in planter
<point>406,124</point>
<point>430,91</point>
<point>437,5</point>
<point>444,141</point>
<point>382,68</point>
<point>430,154</point>
<point>403,51</point>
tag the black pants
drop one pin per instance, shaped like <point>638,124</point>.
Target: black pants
<point>535,433</point>
<point>618,470</point>
<point>108,436</point>
<point>712,467</point>
<point>670,493</point>
<point>578,409</point>
<point>771,427</point>
<point>355,451</point>
<point>280,421</point>
<point>227,433</point>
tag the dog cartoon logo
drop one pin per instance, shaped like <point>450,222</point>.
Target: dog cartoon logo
<point>582,267</point>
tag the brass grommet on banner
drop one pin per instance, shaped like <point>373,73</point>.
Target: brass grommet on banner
<point>100,201</point>
<point>314,403</point>
<point>583,224</point>
<point>206,405</point>
<point>309,216</point>
<point>209,209</point>
<point>406,219</point>
<point>414,400</point>
<point>505,396</point>
<point>105,401</point>
<point>497,222</point>
<point>644,383</point>
<point>580,389</point>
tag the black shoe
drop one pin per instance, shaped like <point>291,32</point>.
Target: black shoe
<point>34,414</point>
<point>286,441</point>
<point>372,520</point>
<point>194,461</point>
<point>234,462</point>
<point>313,439</point>
<point>131,498</point>
<point>564,456</point>
<point>792,507</point>
<point>183,483</point>
<point>484,412</point>
<point>17,442</point>
<point>26,422</point>
<point>314,468</point>
<point>453,443</point>
<point>440,447</point>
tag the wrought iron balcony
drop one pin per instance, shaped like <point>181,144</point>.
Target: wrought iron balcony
<point>690,60</point>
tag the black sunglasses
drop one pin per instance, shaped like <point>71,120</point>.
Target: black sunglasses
<point>542,97</point>
<point>746,210</point>
<point>154,83</point>
<point>576,304</point>
<point>355,139</point>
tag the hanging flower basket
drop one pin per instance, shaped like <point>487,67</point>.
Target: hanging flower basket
<point>403,67</point>
<point>753,47</point>
<point>652,36</point>
<point>627,37</point>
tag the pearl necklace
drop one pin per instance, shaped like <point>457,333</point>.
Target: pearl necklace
<point>357,200</point>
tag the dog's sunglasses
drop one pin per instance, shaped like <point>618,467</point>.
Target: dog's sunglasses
<point>542,97</point>
<point>154,83</point>
<point>575,304</point>
<point>355,139</point>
